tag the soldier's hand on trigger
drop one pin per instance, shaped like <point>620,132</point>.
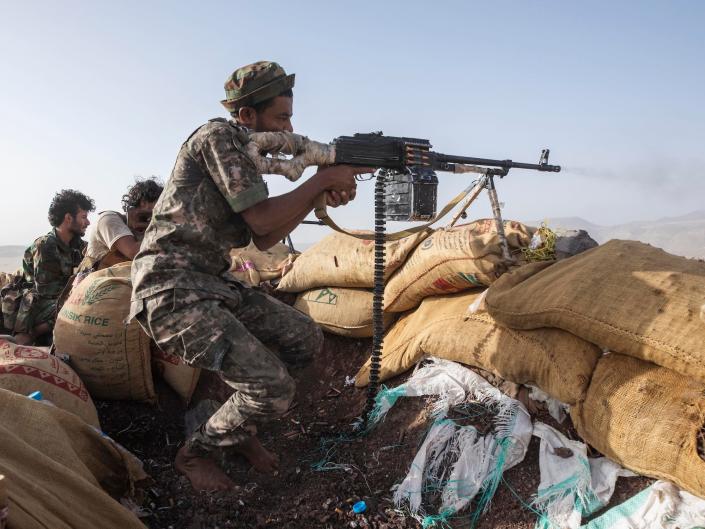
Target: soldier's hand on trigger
<point>339,181</point>
<point>333,199</point>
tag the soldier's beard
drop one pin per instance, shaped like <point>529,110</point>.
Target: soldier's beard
<point>77,230</point>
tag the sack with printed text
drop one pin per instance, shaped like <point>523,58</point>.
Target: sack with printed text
<point>452,260</point>
<point>111,356</point>
<point>343,311</point>
<point>25,370</point>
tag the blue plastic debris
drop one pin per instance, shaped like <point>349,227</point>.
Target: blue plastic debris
<point>35,395</point>
<point>359,507</point>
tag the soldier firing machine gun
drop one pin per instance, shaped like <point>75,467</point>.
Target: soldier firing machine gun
<point>405,190</point>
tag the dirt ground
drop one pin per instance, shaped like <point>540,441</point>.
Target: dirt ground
<point>306,493</point>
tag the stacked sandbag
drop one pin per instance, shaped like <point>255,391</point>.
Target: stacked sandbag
<point>10,298</point>
<point>452,260</point>
<point>6,279</point>
<point>111,357</point>
<point>60,472</point>
<point>343,311</point>
<point>253,266</point>
<point>25,370</point>
<point>647,418</point>
<point>340,260</point>
<point>553,360</point>
<point>181,377</point>
<point>624,296</point>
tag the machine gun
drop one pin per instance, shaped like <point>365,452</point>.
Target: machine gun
<point>407,171</point>
<point>405,190</point>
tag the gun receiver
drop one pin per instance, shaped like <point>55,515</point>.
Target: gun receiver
<point>409,167</point>
<point>399,153</point>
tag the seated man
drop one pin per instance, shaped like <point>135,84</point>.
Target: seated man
<point>215,201</point>
<point>116,237</point>
<point>49,264</point>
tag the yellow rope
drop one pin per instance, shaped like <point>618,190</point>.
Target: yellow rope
<point>547,250</point>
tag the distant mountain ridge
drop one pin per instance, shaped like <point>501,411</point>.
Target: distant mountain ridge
<point>683,235</point>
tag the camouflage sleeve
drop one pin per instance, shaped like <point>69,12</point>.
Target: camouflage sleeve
<point>28,264</point>
<point>231,170</point>
<point>49,273</point>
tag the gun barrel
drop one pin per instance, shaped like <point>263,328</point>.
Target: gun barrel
<point>506,164</point>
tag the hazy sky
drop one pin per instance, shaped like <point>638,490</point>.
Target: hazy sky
<point>95,93</point>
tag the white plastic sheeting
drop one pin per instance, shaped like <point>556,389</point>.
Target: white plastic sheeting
<point>660,506</point>
<point>572,486</point>
<point>556,408</point>
<point>457,460</point>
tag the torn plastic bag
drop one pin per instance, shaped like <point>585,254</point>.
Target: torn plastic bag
<point>660,506</point>
<point>457,460</point>
<point>572,486</point>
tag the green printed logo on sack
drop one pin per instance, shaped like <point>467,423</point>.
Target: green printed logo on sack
<point>343,311</point>
<point>470,278</point>
<point>98,291</point>
<point>111,356</point>
<point>325,296</point>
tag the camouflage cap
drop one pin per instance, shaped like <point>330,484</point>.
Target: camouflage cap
<point>255,83</point>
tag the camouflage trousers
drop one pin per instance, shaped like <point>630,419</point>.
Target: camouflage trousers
<point>34,310</point>
<point>248,337</point>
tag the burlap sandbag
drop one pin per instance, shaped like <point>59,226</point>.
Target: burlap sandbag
<point>60,472</point>
<point>253,266</point>
<point>111,357</point>
<point>6,278</point>
<point>555,361</point>
<point>25,370</point>
<point>625,296</point>
<point>343,311</point>
<point>181,377</point>
<point>646,418</point>
<point>340,260</point>
<point>453,260</point>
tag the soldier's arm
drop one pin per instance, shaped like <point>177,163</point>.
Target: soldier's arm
<point>127,246</point>
<point>49,278</point>
<point>269,219</point>
<point>115,234</point>
<point>273,219</point>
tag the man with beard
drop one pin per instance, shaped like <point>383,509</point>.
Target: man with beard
<point>49,264</point>
<point>214,201</point>
<point>116,237</point>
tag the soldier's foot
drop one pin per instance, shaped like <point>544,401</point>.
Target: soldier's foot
<point>259,457</point>
<point>202,472</point>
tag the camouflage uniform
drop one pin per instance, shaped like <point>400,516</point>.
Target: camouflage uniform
<point>186,301</point>
<point>48,265</point>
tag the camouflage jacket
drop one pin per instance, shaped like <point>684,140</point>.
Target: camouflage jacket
<point>48,263</point>
<point>197,221</point>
